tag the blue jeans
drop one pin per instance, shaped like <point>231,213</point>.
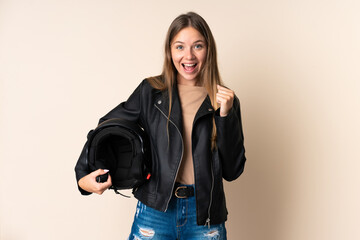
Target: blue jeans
<point>177,223</point>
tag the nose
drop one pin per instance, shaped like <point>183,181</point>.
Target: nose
<point>189,54</point>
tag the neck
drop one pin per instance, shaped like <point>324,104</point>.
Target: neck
<point>192,82</point>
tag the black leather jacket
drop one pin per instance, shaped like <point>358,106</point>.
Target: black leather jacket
<point>149,107</point>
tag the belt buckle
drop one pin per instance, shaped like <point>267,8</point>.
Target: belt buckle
<point>176,191</point>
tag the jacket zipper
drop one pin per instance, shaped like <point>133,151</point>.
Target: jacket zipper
<point>207,222</point>
<point>182,152</point>
<point>211,195</point>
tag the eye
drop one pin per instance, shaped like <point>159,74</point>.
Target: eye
<point>198,46</point>
<point>179,47</point>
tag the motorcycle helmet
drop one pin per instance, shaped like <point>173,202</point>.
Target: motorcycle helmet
<point>122,147</point>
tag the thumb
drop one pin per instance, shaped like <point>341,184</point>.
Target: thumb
<point>99,172</point>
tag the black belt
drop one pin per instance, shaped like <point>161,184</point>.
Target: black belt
<point>182,191</point>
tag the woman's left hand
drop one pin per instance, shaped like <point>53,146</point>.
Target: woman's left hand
<point>225,97</point>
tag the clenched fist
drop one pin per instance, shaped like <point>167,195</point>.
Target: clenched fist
<point>225,97</point>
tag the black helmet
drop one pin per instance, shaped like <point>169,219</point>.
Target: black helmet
<point>122,147</point>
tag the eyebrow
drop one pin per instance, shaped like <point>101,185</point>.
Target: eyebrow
<point>193,43</point>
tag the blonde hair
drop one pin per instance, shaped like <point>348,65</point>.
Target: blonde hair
<point>209,76</point>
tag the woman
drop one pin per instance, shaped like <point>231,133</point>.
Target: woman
<point>196,138</point>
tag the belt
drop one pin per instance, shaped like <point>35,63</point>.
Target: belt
<point>183,191</point>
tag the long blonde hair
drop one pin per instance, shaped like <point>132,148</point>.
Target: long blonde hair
<point>209,75</point>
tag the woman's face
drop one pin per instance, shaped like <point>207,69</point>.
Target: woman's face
<point>188,53</point>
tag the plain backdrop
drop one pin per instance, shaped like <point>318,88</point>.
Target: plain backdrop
<point>293,64</point>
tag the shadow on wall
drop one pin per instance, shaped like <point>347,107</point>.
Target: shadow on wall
<point>258,201</point>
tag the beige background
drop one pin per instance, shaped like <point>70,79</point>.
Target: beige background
<point>293,64</point>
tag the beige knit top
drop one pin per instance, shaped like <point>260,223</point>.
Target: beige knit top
<point>191,98</point>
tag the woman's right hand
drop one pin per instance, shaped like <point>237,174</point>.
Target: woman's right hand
<point>89,183</point>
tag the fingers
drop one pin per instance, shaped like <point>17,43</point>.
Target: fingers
<point>224,93</point>
<point>99,172</point>
<point>89,183</point>
<point>106,184</point>
<point>222,89</point>
<point>225,97</point>
<point>101,187</point>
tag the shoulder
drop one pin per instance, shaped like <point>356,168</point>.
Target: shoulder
<point>146,90</point>
<point>144,86</point>
<point>153,85</point>
<point>147,85</point>
<point>157,82</point>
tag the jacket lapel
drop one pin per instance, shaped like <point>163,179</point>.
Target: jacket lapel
<point>162,102</point>
<point>205,109</point>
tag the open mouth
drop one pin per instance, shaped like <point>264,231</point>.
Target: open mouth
<point>189,67</point>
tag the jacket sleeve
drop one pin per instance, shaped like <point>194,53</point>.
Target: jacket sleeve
<point>82,169</point>
<point>230,142</point>
<point>129,110</point>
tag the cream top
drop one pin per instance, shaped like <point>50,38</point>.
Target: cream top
<point>191,98</point>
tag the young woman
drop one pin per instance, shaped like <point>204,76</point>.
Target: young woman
<point>196,138</point>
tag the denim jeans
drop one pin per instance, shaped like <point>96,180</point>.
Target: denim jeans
<point>177,223</point>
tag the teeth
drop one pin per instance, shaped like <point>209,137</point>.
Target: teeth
<point>189,65</point>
